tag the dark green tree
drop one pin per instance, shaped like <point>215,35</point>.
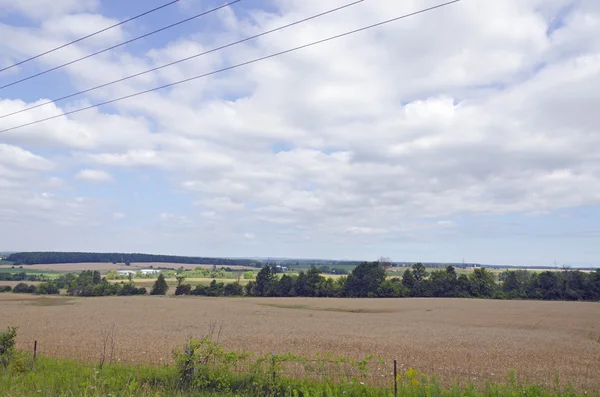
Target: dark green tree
<point>365,280</point>
<point>408,279</point>
<point>233,289</point>
<point>419,272</point>
<point>160,286</point>
<point>266,280</point>
<point>482,283</point>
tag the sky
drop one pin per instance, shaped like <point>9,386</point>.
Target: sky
<point>470,132</point>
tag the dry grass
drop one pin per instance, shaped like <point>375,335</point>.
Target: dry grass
<point>466,339</point>
<point>13,283</point>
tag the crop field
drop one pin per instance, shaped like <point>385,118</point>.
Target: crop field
<point>464,339</point>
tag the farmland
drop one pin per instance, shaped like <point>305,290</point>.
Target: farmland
<point>466,339</point>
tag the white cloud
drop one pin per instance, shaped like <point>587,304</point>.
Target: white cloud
<point>89,175</point>
<point>249,236</point>
<point>41,9</point>
<point>376,134</point>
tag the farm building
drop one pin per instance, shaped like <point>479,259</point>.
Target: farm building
<point>125,272</point>
<point>149,271</point>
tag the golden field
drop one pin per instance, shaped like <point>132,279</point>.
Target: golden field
<point>466,339</point>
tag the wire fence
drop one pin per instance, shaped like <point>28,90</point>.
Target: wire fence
<point>374,372</point>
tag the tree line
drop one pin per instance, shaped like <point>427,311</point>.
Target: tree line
<point>369,280</point>
<point>86,283</point>
<point>32,258</point>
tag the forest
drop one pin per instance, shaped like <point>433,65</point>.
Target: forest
<point>32,258</point>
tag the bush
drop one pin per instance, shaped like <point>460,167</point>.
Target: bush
<point>233,289</point>
<point>7,345</point>
<point>183,289</point>
<point>5,288</point>
<point>23,288</point>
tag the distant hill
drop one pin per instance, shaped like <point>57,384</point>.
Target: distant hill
<point>32,258</point>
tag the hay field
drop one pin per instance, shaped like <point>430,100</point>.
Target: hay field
<point>12,284</point>
<point>467,339</point>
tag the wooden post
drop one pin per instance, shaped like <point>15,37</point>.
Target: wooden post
<point>395,378</point>
<point>34,350</point>
<point>274,375</point>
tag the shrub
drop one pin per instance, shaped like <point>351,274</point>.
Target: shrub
<point>5,288</point>
<point>233,289</point>
<point>7,345</point>
<point>23,288</point>
<point>183,289</point>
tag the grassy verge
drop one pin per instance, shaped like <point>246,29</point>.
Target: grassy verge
<point>60,377</point>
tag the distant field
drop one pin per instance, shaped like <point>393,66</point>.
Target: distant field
<point>13,283</point>
<point>49,273</point>
<point>105,267</point>
<point>468,339</point>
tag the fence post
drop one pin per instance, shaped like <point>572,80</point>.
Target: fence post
<point>34,350</point>
<point>273,363</point>
<point>395,378</point>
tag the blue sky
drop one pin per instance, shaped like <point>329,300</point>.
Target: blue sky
<point>465,133</point>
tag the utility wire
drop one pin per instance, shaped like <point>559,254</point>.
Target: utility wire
<point>120,44</point>
<point>234,66</point>
<point>89,35</point>
<point>183,60</point>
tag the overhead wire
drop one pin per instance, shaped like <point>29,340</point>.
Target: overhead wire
<point>89,35</point>
<point>119,45</point>
<point>184,59</point>
<point>236,66</point>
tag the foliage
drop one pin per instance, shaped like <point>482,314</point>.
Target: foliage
<point>30,258</point>
<point>160,286</point>
<point>21,276</point>
<point>7,345</point>
<point>365,280</point>
<point>5,288</point>
<point>23,288</point>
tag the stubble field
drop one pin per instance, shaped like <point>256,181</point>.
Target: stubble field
<point>464,339</point>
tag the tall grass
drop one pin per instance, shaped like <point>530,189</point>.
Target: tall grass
<point>60,377</point>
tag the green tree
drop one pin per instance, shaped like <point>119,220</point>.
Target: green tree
<point>160,286</point>
<point>313,280</point>
<point>482,283</point>
<point>364,280</point>
<point>419,272</point>
<point>408,279</point>
<point>266,281</point>
<point>233,289</point>
<point>285,286</point>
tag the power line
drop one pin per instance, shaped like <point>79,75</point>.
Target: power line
<point>89,35</point>
<point>119,45</point>
<point>183,60</point>
<point>234,66</point>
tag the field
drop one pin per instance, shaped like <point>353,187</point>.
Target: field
<point>105,267</point>
<point>466,339</point>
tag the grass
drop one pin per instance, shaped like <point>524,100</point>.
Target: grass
<point>49,377</point>
<point>464,339</point>
<point>48,273</point>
